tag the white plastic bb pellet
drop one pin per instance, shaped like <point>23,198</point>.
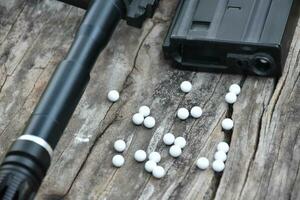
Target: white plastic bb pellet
<point>113,95</point>
<point>175,151</point>
<point>154,156</point>
<point>140,155</point>
<point>230,98</point>
<point>235,88</point>
<point>186,86</point>
<point>118,161</point>
<point>183,113</point>
<point>149,122</point>
<point>138,118</point>
<point>158,172</point>
<point>227,124</point>
<point>218,166</point>
<point>180,141</point>
<point>120,145</point>
<point>196,112</point>
<point>150,165</point>
<point>223,146</point>
<point>220,155</point>
<point>169,139</point>
<point>145,111</point>
<point>202,163</point>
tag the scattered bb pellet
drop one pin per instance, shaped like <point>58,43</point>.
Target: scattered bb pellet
<point>218,166</point>
<point>235,88</point>
<point>150,165</point>
<point>140,155</point>
<point>169,139</point>
<point>196,112</point>
<point>113,95</point>
<point>202,163</point>
<point>227,124</point>
<point>186,86</point>
<point>138,118</point>
<point>120,145</point>
<point>154,156</point>
<point>145,111</point>
<point>180,141</point>
<point>158,172</point>
<point>230,98</point>
<point>118,161</point>
<point>175,151</point>
<point>223,146</point>
<point>149,122</point>
<point>183,113</point>
<point>220,155</point>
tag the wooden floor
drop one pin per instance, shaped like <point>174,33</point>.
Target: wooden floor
<point>264,157</point>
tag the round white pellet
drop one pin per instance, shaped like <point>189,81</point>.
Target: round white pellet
<point>230,98</point>
<point>227,124</point>
<point>180,142</point>
<point>220,155</point>
<point>175,151</point>
<point>196,112</point>
<point>218,166</point>
<point>235,88</point>
<point>150,165</point>
<point>120,145</point>
<point>169,139</point>
<point>158,172</point>
<point>118,161</point>
<point>154,156</point>
<point>149,122</point>
<point>140,155</point>
<point>202,163</point>
<point>183,113</point>
<point>138,118</point>
<point>186,86</point>
<point>223,146</point>
<point>113,95</point>
<point>145,111</point>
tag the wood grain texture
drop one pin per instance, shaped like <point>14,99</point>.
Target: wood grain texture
<point>264,157</point>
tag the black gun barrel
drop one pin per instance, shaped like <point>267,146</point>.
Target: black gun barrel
<point>28,159</point>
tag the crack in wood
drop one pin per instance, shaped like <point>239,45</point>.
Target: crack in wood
<point>253,154</point>
<point>228,138</point>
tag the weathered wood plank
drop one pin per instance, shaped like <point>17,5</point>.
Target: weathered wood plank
<point>274,171</point>
<point>264,158</point>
